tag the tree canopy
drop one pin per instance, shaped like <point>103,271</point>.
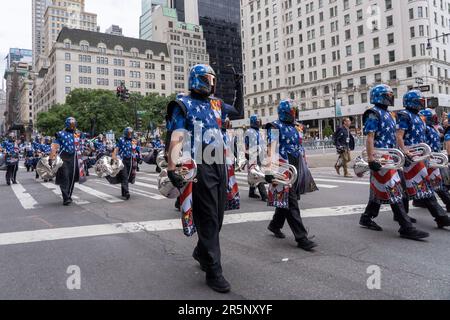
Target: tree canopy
<point>99,111</point>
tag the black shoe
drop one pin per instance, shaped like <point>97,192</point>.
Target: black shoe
<point>8,183</point>
<point>277,232</point>
<point>264,199</point>
<point>419,204</point>
<point>14,182</point>
<point>368,223</point>
<point>306,244</point>
<point>127,196</point>
<point>413,220</point>
<point>413,234</point>
<point>443,222</point>
<point>197,258</point>
<point>254,196</point>
<point>218,284</point>
<point>177,204</point>
<point>67,202</point>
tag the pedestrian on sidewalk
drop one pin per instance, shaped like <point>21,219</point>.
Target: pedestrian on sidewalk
<point>345,143</point>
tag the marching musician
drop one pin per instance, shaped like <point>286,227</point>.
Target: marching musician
<point>129,151</point>
<point>68,144</point>
<point>385,184</point>
<point>290,152</point>
<point>45,149</point>
<point>11,150</point>
<point>411,131</point>
<point>100,146</point>
<point>29,156</point>
<point>433,139</point>
<point>204,202</point>
<point>252,147</point>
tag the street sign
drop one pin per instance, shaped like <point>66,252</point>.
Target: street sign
<point>419,81</point>
<point>423,88</point>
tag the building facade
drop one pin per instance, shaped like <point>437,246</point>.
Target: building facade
<point>68,13</point>
<point>93,60</point>
<point>2,111</point>
<point>38,11</point>
<point>19,63</point>
<point>114,30</point>
<point>186,43</point>
<point>326,55</point>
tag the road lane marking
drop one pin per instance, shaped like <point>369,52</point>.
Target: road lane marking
<point>327,186</point>
<point>106,197</point>
<point>56,191</point>
<point>342,181</point>
<point>43,235</point>
<point>143,193</point>
<point>25,199</point>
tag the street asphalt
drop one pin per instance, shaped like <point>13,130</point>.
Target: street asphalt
<point>136,249</point>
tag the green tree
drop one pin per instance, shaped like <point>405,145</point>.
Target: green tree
<point>103,111</point>
<point>327,131</point>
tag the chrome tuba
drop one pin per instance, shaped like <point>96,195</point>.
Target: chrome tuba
<point>166,187</point>
<point>438,160</point>
<point>420,152</point>
<point>107,167</point>
<point>285,174</point>
<point>161,160</point>
<point>47,172</point>
<point>390,159</point>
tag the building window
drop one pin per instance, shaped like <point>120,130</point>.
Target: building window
<point>68,79</point>
<point>67,90</point>
<point>68,67</point>
<point>67,56</point>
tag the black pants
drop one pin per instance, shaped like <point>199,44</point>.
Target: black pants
<point>125,176</point>
<point>399,211</point>
<point>209,198</point>
<point>292,215</point>
<point>262,190</point>
<point>11,173</point>
<point>443,194</point>
<point>67,176</point>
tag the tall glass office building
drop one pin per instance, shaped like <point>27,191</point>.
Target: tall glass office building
<point>145,21</point>
<point>221,27</point>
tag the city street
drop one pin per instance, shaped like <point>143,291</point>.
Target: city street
<point>136,249</point>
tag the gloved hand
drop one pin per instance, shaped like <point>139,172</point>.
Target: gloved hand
<point>408,161</point>
<point>176,179</point>
<point>269,177</point>
<point>50,162</point>
<point>375,166</point>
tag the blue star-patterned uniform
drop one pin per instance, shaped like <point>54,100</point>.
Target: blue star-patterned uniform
<point>156,144</point>
<point>252,137</point>
<point>433,139</point>
<point>190,111</point>
<point>128,148</point>
<point>289,138</point>
<point>381,122</point>
<point>45,148</point>
<point>12,152</point>
<point>66,142</point>
<point>100,146</point>
<point>413,125</point>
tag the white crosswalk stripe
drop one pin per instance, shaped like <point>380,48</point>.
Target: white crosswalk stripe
<point>56,191</point>
<point>146,186</point>
<point>25,199</point>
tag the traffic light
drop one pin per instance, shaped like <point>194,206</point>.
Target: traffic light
<point>122,92</point>
<point>139,123</point>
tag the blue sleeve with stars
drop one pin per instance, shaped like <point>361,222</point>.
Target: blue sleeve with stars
<point>372,124</point>
<point>404,122</point>
<point>178,120</point>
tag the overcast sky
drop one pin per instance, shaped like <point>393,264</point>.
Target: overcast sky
<point>15,21</point>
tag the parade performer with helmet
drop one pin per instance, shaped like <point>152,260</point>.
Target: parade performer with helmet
<point>411,130</point>
<point>385,184</point>
<point>252,154</point>
<point>198,118</point>
<point>11,150</point>
<point>67,144</point>
<point>433,139</point>
<point>129,151</point>
<point>285,198</point>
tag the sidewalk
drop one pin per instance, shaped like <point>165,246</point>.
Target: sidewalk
<point>327,160</point>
